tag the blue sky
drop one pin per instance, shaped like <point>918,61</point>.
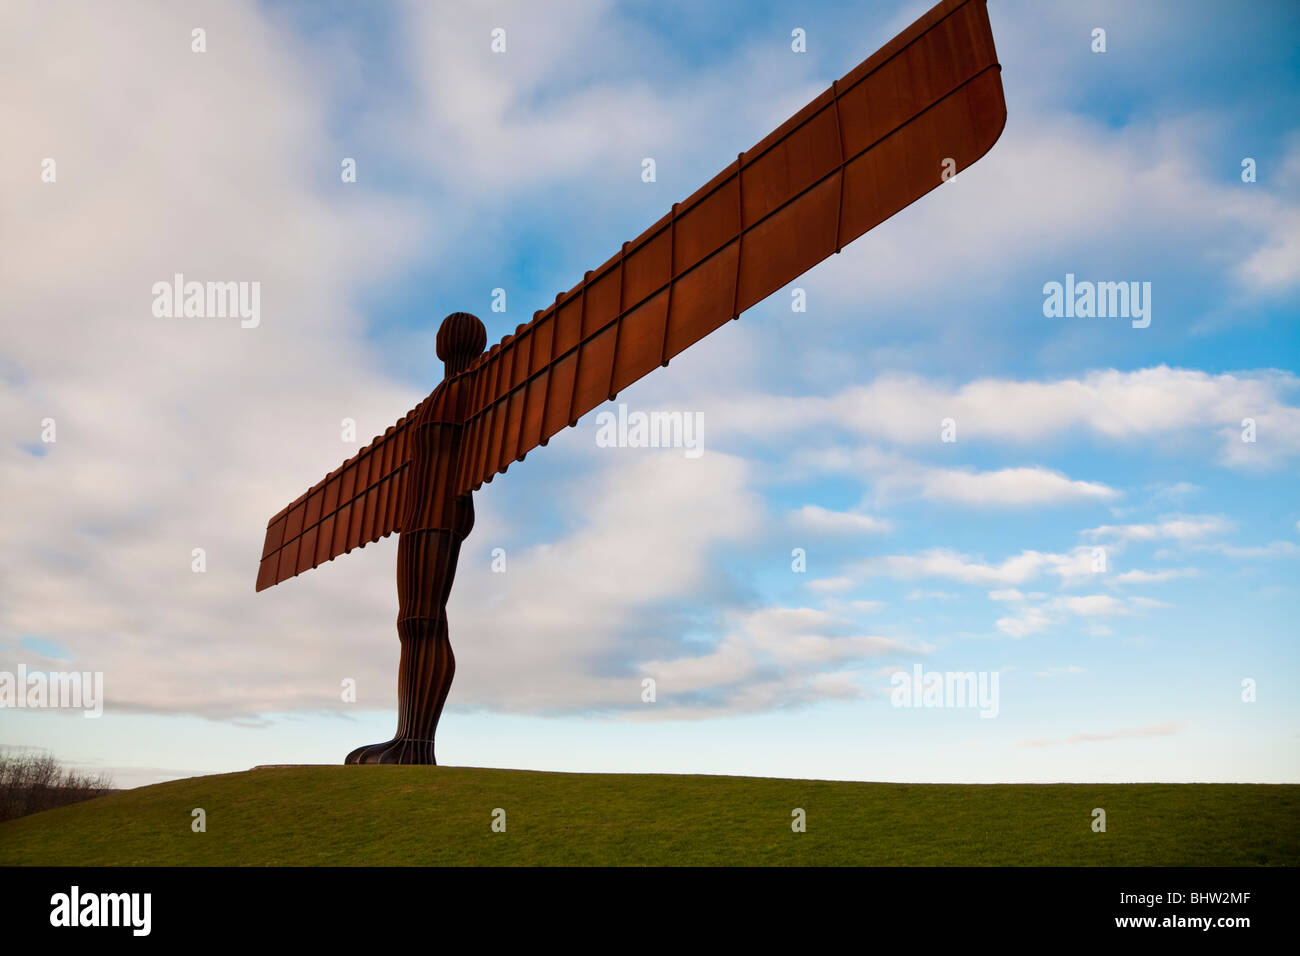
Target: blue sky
<point>822,429</point>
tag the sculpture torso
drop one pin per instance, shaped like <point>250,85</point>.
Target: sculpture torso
<point>435,454</point>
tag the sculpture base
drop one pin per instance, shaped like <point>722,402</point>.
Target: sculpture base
<point>402,750</point>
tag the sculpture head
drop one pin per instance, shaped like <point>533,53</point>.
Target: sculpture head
<point>461,339</point>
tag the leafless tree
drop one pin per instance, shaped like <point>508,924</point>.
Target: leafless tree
<point>31,782</point>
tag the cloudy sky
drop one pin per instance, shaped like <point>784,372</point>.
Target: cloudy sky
<point>823,430</point>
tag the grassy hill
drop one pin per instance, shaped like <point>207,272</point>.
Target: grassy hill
<point>443,816</point>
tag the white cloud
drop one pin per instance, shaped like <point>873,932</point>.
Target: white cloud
<point>1189,532</point>
<point>1035,613</point>
<point>943,562</point>
<point>1149,603</point>
<point>1181,406</point>
<point>867,607</point>
<point>773,657</point>
<point>822,520</point>
<point>1092,605</point>
<point>1009,487</point>
<point>830,585</point>
<point>838,606</point>
<point>1014,570</point>
<point>1023,623</point>
<point>1274,549</point>
<point>1154,577</point>
<point>1150,730</point>
<point>569,101</point>
<point>1177,528</point>
<point>895,478</point>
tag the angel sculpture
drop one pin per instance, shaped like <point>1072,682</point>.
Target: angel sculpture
<point>925,106</point>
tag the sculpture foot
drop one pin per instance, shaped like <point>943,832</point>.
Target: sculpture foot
<point>400,750</point>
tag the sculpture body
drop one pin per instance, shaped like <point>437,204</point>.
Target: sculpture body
<point>434,522</point>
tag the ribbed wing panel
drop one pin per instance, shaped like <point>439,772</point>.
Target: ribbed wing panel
<point>357,503</point>
<point>875,142</point>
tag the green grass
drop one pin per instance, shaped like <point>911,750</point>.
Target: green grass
<point>442,816</point>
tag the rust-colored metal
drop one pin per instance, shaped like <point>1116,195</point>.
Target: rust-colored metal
<point>875,142</point>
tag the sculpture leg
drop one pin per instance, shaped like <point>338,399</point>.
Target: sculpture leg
<point>426,567</point>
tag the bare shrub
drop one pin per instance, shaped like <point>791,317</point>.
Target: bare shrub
<point>32,782</point>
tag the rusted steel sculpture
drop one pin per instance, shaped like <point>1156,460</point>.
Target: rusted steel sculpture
<point>927,104</point>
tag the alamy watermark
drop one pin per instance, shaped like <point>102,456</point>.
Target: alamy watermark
<point>208,300</point>
<point>946,689</point>
<point>651,430</point>
<point>1100,300</point>
<point>76,908</point>
<point>74,690</point>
